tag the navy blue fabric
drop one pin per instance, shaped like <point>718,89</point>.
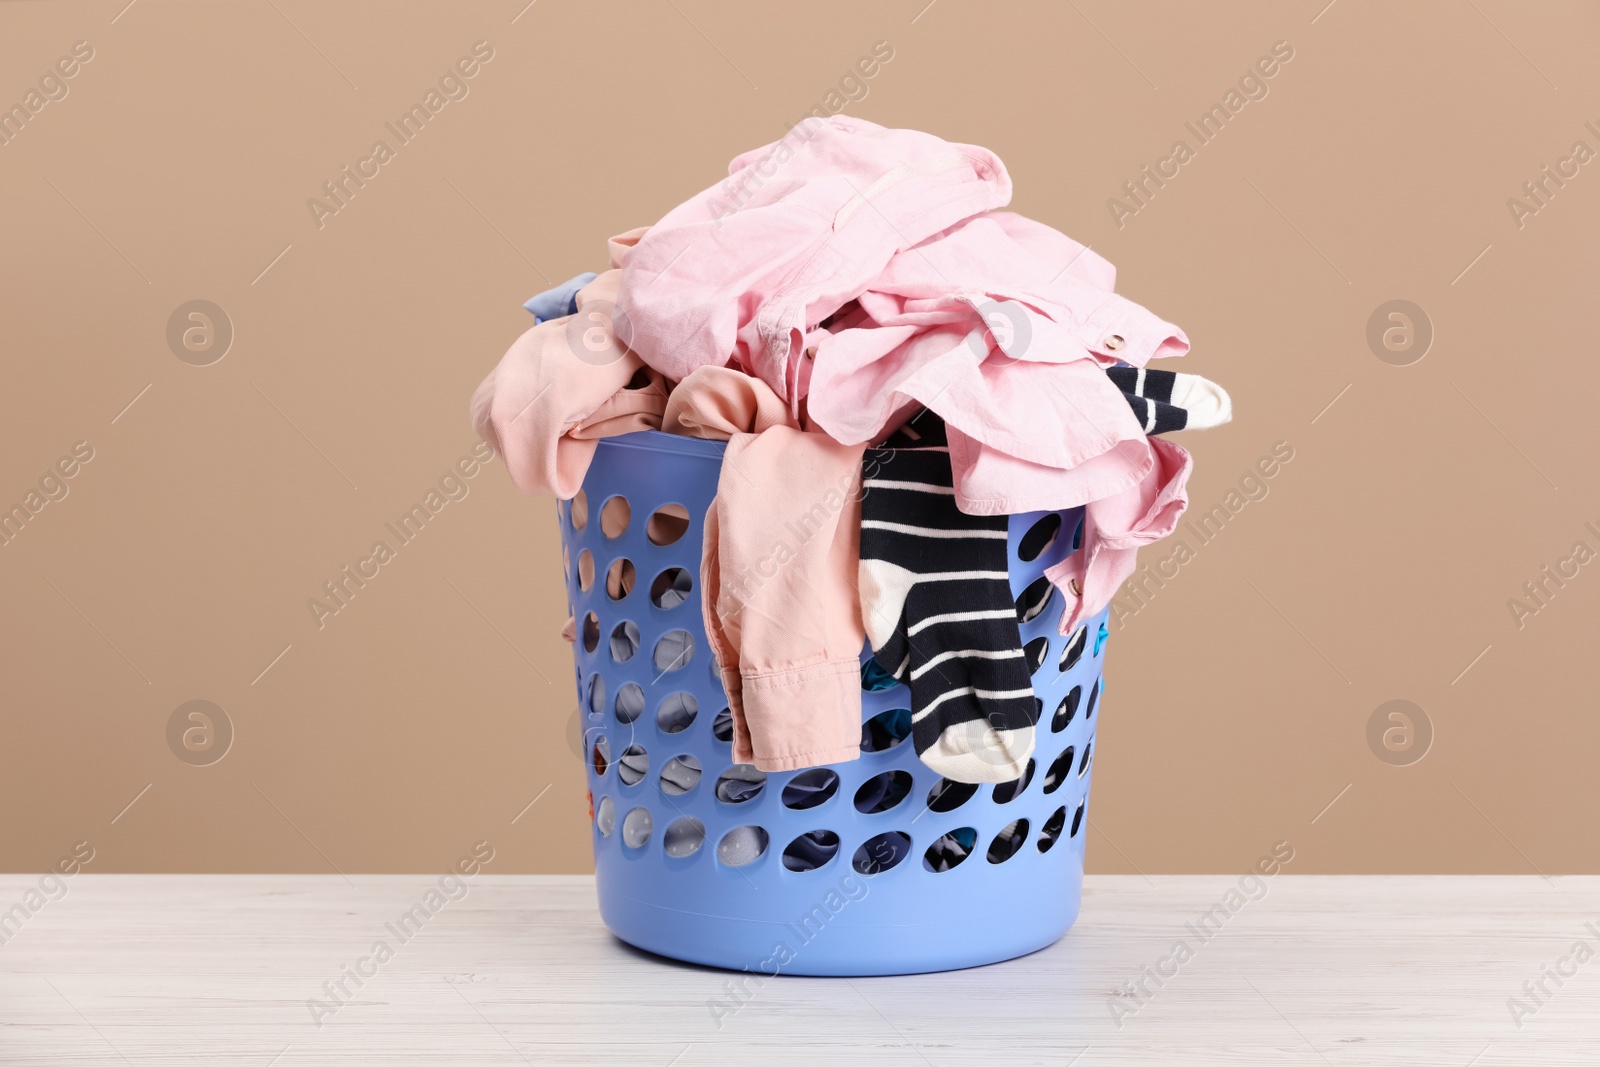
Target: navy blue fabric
<point>811,850</point>
<point>950,850</point>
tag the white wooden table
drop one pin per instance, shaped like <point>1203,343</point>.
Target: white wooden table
<point>167,969</point>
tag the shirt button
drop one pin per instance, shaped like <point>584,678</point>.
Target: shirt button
<point>1114,342</point>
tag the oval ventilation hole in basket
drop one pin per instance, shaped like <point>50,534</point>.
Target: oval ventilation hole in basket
<point>722,726</point>
<point>680,775</point>
<point>1006,792</point>
<point>742,845</point>
<point>605,816</point>
<point>633,765</point>
<point>600,755</point>
<point>1094,696</point>
<point>673,651</point>
<point>667,524</point>
<point>885,730</point>
<point>670,588</point>
<point>950,851</point>
<point>1077,818</point>
<point>883,792</point>
<point>881,853</point>
<point>1060,767</point>
<point>683,837</point>
<point>948,795</point>
<point>578,510</point>
<point>1036,651</point>
<point>620,578</point>
<point>1052,829</point>
<point>1008,840</point>
<point>624,641</point>
<point>1066,710</point>
<point>597,694</point>
<point>614,516</point>
<point>1040,536</point>
<point>629,704</point>
<point>1074,648</point>
<point>1083,765</point>
<point>636,827</point>
<point>740,784</point>
<point>1034,599</point>
<point>812,849</point>
<point>585,570</point>
<point>810,788</point>
<point>677,712</point>
<point>591,632</point>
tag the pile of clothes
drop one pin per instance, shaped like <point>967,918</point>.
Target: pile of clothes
<point>896,365</point>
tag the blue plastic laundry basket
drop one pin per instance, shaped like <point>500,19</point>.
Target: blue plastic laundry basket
<point>877,866</point>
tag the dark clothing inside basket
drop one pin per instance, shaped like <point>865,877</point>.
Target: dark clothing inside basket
<point>950,849</point>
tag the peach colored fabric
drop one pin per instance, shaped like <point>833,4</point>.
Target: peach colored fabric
<point>777,575</point>
<point>717,402</point>
<point>561,387</point>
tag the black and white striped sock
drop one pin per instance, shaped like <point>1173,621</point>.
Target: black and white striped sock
<point>1165,400</point>
<point>936,600</point>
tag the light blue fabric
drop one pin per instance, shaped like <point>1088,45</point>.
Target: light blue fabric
<point>560,301</point>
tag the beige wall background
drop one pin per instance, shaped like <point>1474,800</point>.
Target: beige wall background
<point>1429,481</point>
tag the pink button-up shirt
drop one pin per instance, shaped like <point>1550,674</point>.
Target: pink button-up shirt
<point>866,271</point>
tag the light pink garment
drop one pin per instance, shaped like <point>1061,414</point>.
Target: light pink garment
<point>1070,427</point>
<point>777,573</point>
<point>1049,245</point>
<point>1114,529</point>
<point>869,274</point>
<point>714,284</point>
<point>1011,352</point>
<point>561,387</point>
